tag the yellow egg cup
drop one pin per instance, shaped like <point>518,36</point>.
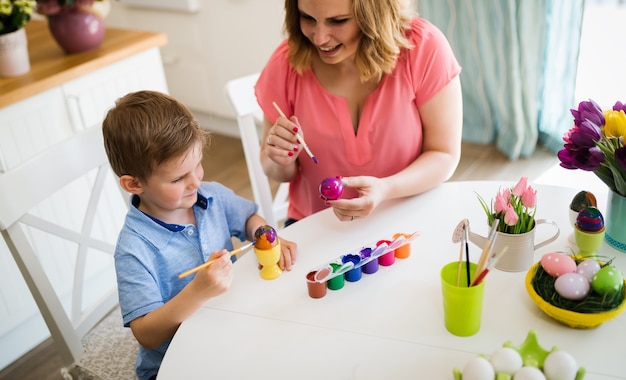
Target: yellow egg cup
<point>268,258</point>
<point>567,317</point>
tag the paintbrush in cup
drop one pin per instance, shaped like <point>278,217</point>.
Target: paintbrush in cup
<point>484,256</point>
<point>300,138</point>
<point>493,260</point>
<point>204,265</point>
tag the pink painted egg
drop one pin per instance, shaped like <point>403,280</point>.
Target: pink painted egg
<point>572,286</point>
<point>331,188</point>
<point>557,264</point>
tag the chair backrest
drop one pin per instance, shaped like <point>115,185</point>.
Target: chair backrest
<point>60,213</point>
<point>240,93</point>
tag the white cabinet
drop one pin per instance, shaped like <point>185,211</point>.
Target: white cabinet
<point>28,127</point>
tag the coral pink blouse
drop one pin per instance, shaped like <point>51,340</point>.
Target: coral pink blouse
<point>389,136</point>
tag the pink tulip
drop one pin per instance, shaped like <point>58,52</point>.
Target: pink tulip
<point>510,218</point>
<point>529,198</point>
<point>501,202</point>
<point>520,188</point>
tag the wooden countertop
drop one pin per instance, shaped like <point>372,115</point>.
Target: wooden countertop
<point>50,66</point>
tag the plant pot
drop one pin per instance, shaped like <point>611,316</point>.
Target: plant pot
<point>521,247</point>
<point>76,31</point>
<point>14,60</point>
<point>615,221</point>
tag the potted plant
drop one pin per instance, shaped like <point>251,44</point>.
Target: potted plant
<point>76,25</point>
<point>14,15</point>
<point>596,143</point>
<point>511,216</point>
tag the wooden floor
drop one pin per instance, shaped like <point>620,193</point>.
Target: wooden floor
<point>224,162</point>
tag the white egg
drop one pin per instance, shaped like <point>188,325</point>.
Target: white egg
<point>478,368</point>
<point>506,360</point>
<point>560,365</point>
<point>528,373</point>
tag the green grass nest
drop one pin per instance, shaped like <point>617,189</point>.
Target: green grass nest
<point>543,284</point>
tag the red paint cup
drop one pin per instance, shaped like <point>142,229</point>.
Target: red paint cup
<point>316,289</point>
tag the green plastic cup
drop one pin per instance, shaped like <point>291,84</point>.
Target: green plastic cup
<point>462,305</point>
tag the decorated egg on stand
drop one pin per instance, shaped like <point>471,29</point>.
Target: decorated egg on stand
<point>267,251</point>
<point>265,237</point>
<point>581,200</point>
<point>589,231</point>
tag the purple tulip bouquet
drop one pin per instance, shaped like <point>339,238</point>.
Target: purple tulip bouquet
<point>596,144</point>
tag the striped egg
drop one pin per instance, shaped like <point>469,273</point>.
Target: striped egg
<point>590,219</point>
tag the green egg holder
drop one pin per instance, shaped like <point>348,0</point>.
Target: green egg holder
<point>532,355</point>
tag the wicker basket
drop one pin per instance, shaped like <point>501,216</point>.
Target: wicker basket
<point>567,317</point>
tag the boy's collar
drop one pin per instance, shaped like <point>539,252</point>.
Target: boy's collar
<point>202,202</point>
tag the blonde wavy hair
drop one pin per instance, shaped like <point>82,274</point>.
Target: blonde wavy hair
<point>383,25</point>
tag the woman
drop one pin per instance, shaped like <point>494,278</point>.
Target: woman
<point>374,91</point>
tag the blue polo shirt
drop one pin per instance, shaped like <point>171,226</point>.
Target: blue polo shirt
<point>150,255</point>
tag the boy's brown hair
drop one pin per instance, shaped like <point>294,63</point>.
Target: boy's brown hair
<point>146,129</point>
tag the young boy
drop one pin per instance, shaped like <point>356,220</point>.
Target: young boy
<point>176,222</point>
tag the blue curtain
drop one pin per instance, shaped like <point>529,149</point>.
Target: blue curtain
<point>519,61</point>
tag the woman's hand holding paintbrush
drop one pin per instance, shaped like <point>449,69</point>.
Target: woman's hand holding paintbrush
<point>300,139</point>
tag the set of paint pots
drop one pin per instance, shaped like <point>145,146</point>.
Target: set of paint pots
<point>350,267</point>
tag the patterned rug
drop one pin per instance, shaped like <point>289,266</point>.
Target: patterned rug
<point>110,351</point>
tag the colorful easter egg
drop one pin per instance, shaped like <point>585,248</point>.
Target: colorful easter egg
<point>582,200</point>
<point>572,286</point>
<point>265,237</point>
<point>608,280</point>
<point>588,268</point>
<point>331,188</point>
<point>590,219</point>
<point>557,264</point>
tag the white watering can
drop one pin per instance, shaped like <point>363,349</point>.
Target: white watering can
<point>521,247</point>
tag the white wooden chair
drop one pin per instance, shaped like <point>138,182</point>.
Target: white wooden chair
<point>60,213</point>
<point>240,93</point>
